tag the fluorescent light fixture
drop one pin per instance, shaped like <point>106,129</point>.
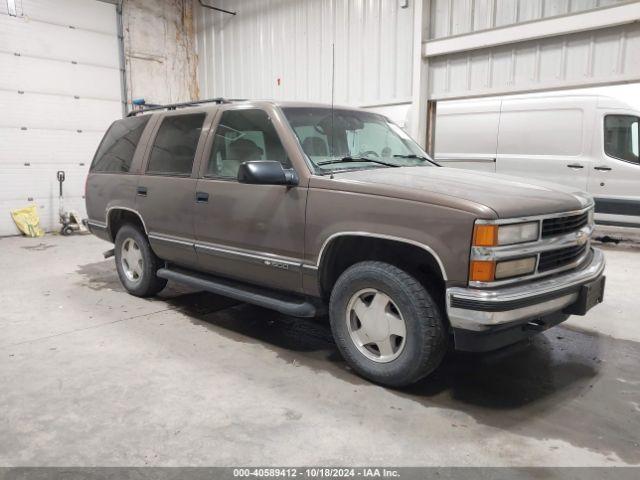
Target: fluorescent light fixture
<point>11,7</point>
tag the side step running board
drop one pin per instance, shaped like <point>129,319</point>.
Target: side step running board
<point>289,305</point>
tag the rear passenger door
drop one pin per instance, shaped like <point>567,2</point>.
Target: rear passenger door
<point>249,232</point>
<point>166,191</point>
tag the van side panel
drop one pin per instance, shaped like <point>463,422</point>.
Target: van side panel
<point>466,134</point>
<point>546,140</point>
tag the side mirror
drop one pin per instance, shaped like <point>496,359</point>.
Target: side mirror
<point>266,172</point>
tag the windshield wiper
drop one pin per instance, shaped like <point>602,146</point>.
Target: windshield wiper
<point>419,157</point>
<point>412,155</point>
<point>356,160</point>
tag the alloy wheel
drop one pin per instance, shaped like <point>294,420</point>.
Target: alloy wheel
<point>376,325</point>
<point>131,260</point>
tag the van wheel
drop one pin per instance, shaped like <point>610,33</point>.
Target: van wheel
<point>386,325</point>
<point>136,263</point>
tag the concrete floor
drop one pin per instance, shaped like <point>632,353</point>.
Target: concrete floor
<point>92,376</point>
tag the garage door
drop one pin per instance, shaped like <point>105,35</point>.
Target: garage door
<point>59,91</point>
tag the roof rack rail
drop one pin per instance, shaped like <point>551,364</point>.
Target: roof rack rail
<point>174,106</point>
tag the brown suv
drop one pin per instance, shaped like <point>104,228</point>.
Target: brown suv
<point>300,207</point>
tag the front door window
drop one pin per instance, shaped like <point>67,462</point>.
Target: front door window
<point>244,135</point>
<point>621,137</point>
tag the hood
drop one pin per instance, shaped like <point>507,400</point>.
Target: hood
<point>507,196</point>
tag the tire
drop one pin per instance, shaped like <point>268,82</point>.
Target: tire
<point>397,361</point>
<point>136,263</point>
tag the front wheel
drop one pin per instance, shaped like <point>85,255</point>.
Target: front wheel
<point>385,324</point>
<point>136,263</point>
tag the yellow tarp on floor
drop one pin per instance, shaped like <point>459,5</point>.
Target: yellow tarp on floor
<point>28,221</point>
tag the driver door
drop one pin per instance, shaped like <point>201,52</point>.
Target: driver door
<point>253,233</point>
<point>615,176</point>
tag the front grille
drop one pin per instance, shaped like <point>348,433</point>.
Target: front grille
<point>561,225</point>
<point>560,258</point>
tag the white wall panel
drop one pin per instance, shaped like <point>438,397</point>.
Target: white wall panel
<point>62,78</point>
<point>60,148</point>
<point>56,112</point>
<point>457,17</point>
<point>40,181</point>
<point>59,91</point>
<point>57,41</point>
<point>282,49</point>
<point>83,14</point>
<point>608,55</point>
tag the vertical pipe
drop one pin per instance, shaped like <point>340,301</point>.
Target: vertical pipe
<point>420,73</point>
<point>121,55</point>
<point>431,127</point>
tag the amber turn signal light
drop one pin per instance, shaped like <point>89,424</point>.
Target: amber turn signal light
<point>485,235</point>
<point>482,271</point>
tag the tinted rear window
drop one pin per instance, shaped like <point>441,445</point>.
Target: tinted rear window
<point>116,150</point>
<point>175,145</point>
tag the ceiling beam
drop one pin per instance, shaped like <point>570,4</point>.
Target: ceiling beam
<point>562,25</point>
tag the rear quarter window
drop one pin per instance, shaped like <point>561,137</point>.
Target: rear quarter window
<point>118,146</point>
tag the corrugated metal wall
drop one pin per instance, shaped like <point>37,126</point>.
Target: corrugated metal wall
<point>457,17</point>
<point>589,58</point>
<point>282,49</point>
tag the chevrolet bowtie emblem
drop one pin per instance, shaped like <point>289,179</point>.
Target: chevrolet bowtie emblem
<point>582,238</point>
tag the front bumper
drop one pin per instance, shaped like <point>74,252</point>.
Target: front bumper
<point>480,312</point>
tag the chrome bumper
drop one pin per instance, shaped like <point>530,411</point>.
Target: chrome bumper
<point>480,309</point>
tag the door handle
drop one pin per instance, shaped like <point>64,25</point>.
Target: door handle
<point>602,169</point>
<point>142,191</point>
<point>202,197</point>
<point>575,166</point>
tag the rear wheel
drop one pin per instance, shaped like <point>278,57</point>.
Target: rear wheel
<point>386,325</point>
<point>136,263</point>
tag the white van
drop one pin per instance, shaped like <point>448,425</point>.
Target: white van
<point>586,141</point>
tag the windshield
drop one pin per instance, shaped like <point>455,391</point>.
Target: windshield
<point>351,139</point>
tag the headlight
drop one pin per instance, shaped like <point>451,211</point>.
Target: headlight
<point>494,235</point>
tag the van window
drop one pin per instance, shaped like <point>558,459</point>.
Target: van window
<point>116,150</point>
<point>174,148</point>
<point>621,137</point>
<point>244,135</point>
<point>541,132</point>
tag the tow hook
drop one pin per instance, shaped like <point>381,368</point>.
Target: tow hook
<point>535,326</point>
